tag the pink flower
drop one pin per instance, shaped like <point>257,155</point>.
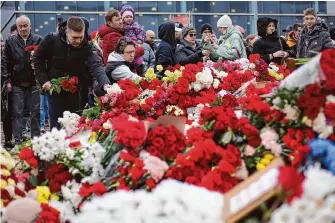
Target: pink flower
<point>249,150</point>
<point>242,172</point>
<point>21,177</point>
<point>269,141</point>
<point>156,167</point>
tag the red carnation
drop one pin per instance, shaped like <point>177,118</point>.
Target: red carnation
<point>65,84</point>
<point>27,155</point>
<point>74,80</point>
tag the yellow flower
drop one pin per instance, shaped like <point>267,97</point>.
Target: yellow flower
<point>260,166</point>
<point>150,74</point>
<point>228,44</point>
<point>11,182</point>
<point>159,68</point>
<point>54,197</point>
<point>265,161</point>
<point>3,184</point>
<point>93,137</point>
<point>5,172</point>
<point>17,197</point>
<point>43,194</point>
<point>269,157</point>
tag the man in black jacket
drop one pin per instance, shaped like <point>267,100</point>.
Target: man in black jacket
<point>68,53</point>
<point>17,71</point>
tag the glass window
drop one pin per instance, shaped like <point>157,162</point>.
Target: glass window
<point>131,3</point>
<point>301,6</point>
<point>163,18</point>
<point>43,25</point>
<point>239,7</point>
<point>145,6</point>
<point>287,7</point>
<point>149,22</point>
<point>268,7</point>
<point>93,19</point>
<point>218,6</point>
<point>202,6</point>
<point>104,6</point>
<point>329,21</point>
<point>28,5</point>
<point>66,6</point>
<point>87,6</point>
<point>101,20</point>
<point>284,22</point>
<point>322,7</point>
<point>167,6</point>
<point>7,10</point>
<point>189,5</point>
<point>45,6</point>
<point>198,21</point>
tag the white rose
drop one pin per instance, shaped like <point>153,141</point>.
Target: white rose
<point>252,66</point>
<point>216,83</point>
<point>107,125</point>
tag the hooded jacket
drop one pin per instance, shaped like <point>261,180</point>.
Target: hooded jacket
<point>231,46</point>
<point>187,54</point>
<point>15,61</point>
<point>119,69</point>
<point>134,30</point>
<point>55,58</point>
<point>269,44</point>
<point>165,53</point>
<point>110,38</point>
<point>317,39</point>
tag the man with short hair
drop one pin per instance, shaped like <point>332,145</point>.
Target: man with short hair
<point>294,35</point>
<point>314,37</point>
<point>17,71</point>
<point>111,32</point>
<point>13,30</point>
<point>68,53</point>
<point>150,39</point>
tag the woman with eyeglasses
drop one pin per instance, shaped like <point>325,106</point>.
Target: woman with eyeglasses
<point>120,63</point>
<point>189,50</point>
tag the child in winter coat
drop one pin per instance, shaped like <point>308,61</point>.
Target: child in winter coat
<point>134,31</point>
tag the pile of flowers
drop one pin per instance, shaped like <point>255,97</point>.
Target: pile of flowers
<point>166,203</point>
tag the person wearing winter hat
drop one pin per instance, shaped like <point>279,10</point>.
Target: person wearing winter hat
<point>134,31</point>
<point>230,45</point>
<point>206,30</point>
<point>131,28</point>
<point>165,53</point>
<point>270,45</point>
<point>189,50</point>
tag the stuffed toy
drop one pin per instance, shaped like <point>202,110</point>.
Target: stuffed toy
<point>24,210</point>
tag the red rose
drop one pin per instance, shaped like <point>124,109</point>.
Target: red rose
<point>330,111</point>
<point>27,155</point>
<point>72,89</point>
<point>65,84</point>
<point>98,188</point>
<point>74,80</point>
<point>151,183</point>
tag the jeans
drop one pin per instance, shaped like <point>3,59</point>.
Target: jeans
<point>22,96</point>
<point>26,116</point>
<point>44,110</point>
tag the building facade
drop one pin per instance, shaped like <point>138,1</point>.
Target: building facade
<point>44,14</point>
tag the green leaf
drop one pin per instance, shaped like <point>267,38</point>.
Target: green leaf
<point>33,180</point>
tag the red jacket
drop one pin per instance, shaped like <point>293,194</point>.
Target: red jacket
<point>110,38</point>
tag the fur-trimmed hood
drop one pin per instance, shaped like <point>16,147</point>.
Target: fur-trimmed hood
<point>262,24</point>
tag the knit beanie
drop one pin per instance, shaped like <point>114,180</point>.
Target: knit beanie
<point>185,31</point>
<point>225,21</point>
<point>127,10</point>
<point>205,27</point>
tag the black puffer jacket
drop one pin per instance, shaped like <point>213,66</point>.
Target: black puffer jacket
<point>269,44</point>
<point>187,54</point>
<point>62,59</point>
<point>15,62</point>
<point>316,40</point>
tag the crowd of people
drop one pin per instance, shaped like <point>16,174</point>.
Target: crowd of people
<point>122,49</point>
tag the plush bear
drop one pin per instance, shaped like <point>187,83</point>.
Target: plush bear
<point>24,210</point>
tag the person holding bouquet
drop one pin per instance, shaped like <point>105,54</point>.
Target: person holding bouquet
<point>68,54</point>
<point>17,72</point>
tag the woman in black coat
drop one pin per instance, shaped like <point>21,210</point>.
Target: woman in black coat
<point>270,46</point>
<point>189,50</point>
